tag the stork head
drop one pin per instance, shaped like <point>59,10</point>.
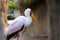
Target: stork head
<point>28,12</point>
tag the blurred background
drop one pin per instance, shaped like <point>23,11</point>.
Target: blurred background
<point>47,12</point>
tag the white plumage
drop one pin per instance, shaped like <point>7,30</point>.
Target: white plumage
<point>18,23</point>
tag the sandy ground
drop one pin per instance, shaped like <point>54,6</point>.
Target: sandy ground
<point>31,38</point>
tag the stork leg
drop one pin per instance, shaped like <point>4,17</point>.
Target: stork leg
<point>18,36</point>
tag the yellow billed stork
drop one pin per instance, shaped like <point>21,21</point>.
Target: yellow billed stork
<point>20,23</point>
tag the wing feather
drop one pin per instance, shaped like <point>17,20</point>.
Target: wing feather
<point>15,25</point>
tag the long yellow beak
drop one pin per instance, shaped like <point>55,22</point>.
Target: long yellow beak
<point>35,19</point>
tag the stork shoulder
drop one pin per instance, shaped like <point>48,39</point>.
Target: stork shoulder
<point>20,19</point>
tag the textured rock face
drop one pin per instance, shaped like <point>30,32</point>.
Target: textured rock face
<point>3,20</point>
<point>1,30</point>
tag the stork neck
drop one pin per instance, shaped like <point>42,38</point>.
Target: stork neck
<point>27,16</point>
<point>28,21</point>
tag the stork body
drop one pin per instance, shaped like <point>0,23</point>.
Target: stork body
<point>19,24</point>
